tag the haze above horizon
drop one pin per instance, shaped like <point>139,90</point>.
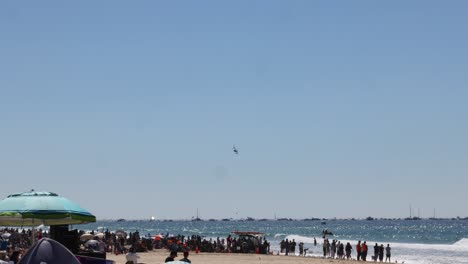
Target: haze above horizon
<point>338,109</point>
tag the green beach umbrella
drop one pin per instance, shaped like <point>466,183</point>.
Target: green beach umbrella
<point>35,208</point>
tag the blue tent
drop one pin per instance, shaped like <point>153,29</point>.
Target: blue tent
<point>48,251</point>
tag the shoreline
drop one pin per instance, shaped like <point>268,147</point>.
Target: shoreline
<point>153,257</point>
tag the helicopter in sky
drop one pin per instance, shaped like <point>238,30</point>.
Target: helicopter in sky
<point>234,149</point>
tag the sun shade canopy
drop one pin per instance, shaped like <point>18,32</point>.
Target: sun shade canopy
<point>47,208</point>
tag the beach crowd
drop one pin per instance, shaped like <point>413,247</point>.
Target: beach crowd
<point>338,250</point>
<point>13,244</point>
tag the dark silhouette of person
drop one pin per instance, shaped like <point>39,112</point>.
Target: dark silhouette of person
<point>171,256</point>
<point>185,259</point>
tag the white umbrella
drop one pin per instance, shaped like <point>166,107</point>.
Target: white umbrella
<point>91,242</point>
<point>100,235</point>
<point>86,236</point>
<point>120,233</point>
<point>6,235</point>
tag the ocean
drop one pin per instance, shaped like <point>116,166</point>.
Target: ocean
<point>412,241</point>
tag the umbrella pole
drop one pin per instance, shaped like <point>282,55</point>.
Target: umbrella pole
<point>32,235</point>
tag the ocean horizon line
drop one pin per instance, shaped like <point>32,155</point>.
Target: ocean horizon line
<point>369,218</point>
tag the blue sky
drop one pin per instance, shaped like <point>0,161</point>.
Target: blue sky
<point>338,108</point>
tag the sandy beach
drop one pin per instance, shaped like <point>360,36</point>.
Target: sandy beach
<point>207,258</point>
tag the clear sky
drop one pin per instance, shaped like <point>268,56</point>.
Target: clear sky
<point>338,108</point>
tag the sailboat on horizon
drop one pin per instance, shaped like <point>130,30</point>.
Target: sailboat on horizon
<point>411,217</point>
<point>196,218</point>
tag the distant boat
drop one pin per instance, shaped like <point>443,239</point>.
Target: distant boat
<point>311,219</point>
<point>434,217</point>
<point>196,219</point>
<point>121,220</point>
<point>325,232</point>
<point>323,222</point>
<point>152,219</point>
<point>413,218</point>
<point>411,213</point>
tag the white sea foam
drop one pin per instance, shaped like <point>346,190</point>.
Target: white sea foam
<point>409,252</point>
<point>279,235</point>
<point>191,231</point>
<point>303,239</point>
<point>462,243</point>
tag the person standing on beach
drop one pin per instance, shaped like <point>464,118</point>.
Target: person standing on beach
<point>358,250</point>
<point>364,251</point>
<point>325,248</point>
<point>282,246</point>
<point>171,256</point>
<point>293,247</point>
<point>340,250</point>
<point>333,249</point>
<point>348,249</point>
<point>381,251</point>
<point>102,245</point>
<point>185,259</point>
<point>376,252</point>
<point>229,243</point>
<point>387,251</point>
<point>315,242</point>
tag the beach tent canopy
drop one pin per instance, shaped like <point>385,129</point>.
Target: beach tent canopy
<point>48,251</point>
<point>87,236</point>
<point>91,242</point>
<point>121,233</point>
<point>34,208</point>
